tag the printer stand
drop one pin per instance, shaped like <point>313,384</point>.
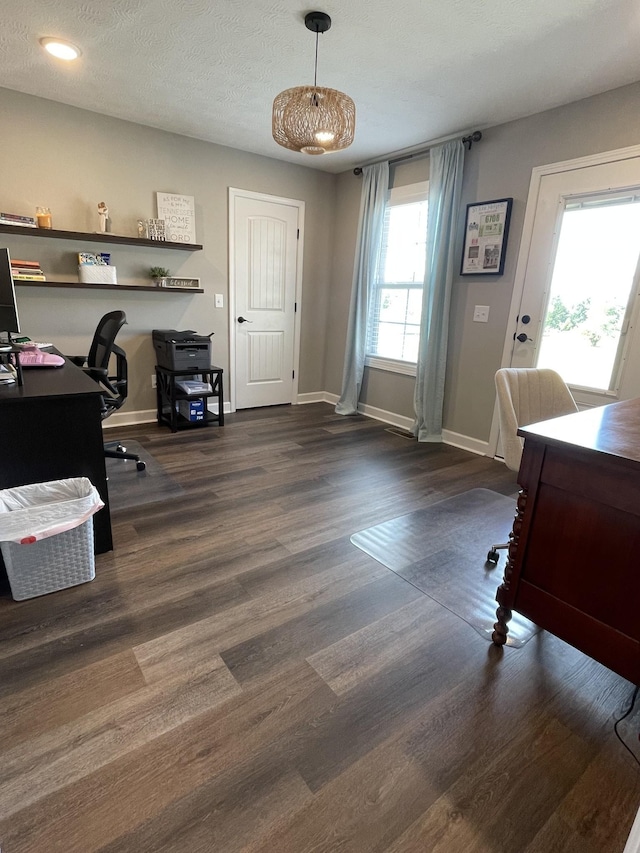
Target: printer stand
<point>168,396</point>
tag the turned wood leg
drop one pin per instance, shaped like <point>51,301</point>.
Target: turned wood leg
<point>501,627</point>
<point>504,595</point>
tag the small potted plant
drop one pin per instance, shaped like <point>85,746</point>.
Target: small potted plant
<point>159,275</point>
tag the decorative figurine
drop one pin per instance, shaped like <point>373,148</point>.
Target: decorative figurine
<point>103,213</point>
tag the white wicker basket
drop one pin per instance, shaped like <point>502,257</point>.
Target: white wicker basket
<point>97,274</point>
<point>50,564</point>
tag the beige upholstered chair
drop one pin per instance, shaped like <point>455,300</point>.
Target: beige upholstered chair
<point>526,395</point>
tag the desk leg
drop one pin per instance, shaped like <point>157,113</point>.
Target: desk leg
<point>504,594</point>
<point>220,401</point>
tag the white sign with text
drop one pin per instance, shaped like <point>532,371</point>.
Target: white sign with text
<point>179,214</point>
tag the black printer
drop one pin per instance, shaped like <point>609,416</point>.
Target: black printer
<point>182,350</point>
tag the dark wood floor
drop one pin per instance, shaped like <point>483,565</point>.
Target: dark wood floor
<point>239,677</point>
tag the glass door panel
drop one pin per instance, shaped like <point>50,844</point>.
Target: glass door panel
<point>592,291</point>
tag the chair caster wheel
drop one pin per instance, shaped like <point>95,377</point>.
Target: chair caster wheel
<point>493,556</point>
<point>140,466</point>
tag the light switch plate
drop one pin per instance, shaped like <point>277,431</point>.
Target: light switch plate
<point>481,314</point>
<point>219,300</point>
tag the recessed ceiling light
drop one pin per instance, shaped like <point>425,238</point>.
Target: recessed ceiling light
<point>60,49</point>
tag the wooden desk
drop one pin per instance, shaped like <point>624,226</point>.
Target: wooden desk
<point>51,429</point>
<point>573,560</point>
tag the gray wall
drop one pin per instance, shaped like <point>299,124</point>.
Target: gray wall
<point>70,159</point>
<point>497,167</point>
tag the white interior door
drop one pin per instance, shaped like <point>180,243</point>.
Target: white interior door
<point>265,255</point>
<point>579,302</point>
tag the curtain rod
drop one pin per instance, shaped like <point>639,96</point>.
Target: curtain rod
<point>410,153</point>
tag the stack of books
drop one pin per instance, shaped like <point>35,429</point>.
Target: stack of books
<point>27,271</point>
<point>15,219</point>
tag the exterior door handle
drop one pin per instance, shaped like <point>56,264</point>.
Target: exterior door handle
<point>242,320</point>
<point>522,337</point>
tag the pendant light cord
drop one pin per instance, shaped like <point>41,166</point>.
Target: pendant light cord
<point>315,70</point>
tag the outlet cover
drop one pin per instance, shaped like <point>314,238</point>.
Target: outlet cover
<point>153,380</point>
<point>219,300</point>
<point>481,314</point>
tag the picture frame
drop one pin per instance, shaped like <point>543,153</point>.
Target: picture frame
<point>486,231</point>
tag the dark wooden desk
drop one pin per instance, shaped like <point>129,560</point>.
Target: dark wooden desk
<point>51,429</point>
<point>573,560</point>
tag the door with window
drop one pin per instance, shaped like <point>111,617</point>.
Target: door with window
<point>579,307</point>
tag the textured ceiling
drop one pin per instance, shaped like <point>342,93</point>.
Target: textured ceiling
<point>416,70</point>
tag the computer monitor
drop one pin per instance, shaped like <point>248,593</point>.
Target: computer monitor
<point>9,323</point>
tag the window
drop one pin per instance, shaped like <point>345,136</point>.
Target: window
<point>393,331</point>
<point>593,291</point>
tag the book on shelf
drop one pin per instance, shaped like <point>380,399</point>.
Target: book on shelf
<point>29,276</point>
<point>17,263</point>
<point>16,217</point>
<point>4,221</point>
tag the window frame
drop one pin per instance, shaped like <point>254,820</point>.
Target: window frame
<point>408,194</point>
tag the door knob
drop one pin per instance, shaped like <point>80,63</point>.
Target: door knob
<point>522,337</point>
<point>242,320</point>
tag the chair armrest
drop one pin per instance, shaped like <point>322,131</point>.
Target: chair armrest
<point>80,360</point>
<point>98,374</point>
<point>121,380</point>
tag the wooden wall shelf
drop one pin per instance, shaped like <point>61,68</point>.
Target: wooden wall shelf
<point>141,287</point>
<point>87,237</point>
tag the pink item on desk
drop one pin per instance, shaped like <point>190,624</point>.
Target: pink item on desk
<point>31,356</point>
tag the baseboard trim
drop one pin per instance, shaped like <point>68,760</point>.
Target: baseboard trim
<point>122,419</point>
<point>386,417</point>
<point>465,442</point>
<point>148,416</point>
<point>314,397</point>
<point>455,439</point>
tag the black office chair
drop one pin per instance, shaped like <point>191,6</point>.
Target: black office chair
<point>96,365</point>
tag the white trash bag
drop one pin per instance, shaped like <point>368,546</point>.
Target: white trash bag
<point>38,511</point>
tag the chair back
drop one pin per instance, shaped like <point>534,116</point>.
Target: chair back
<point>104,339</point>
<point>103,346</point>
<point>527,395</point>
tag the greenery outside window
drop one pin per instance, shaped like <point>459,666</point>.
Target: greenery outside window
<point>393,330</point>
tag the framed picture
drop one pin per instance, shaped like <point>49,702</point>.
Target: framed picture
<point>486,228</point>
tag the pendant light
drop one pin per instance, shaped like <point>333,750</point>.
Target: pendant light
<point>312,119</point>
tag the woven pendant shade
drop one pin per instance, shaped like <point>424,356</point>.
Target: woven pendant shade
<point>311,119</point>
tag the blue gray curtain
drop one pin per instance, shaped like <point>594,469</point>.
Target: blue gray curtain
<point>445,187</point>
<point>375,190</point>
